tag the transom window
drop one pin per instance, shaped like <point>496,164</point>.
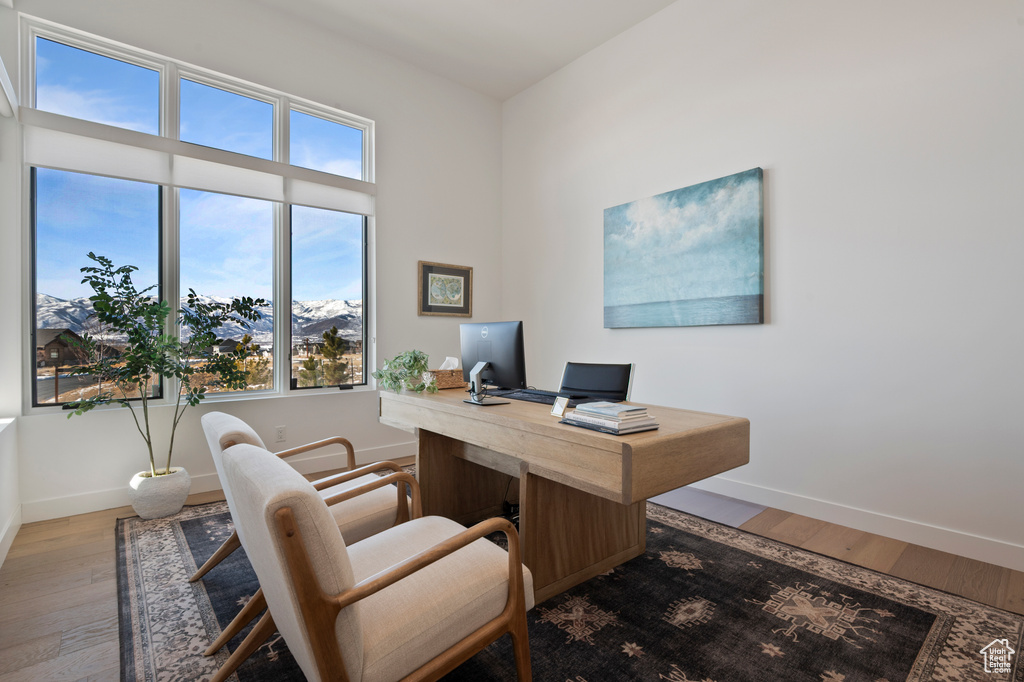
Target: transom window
<point>202,182</point>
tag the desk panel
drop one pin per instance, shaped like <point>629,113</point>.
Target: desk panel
<point>582,493</point>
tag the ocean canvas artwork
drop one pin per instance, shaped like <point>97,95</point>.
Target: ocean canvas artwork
<point>690,257</point>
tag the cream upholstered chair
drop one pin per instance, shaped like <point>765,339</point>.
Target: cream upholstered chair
<point>358,518</point>
<point>410,603</point>
<point>364,503</point>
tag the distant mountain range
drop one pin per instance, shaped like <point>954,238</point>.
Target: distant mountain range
<point>310,318</point>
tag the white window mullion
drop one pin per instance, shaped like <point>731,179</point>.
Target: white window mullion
<point>282,298</point>
<point>169,271</point>
<point>282,259</point>
<point>170,245</point>
<point>282,130</point>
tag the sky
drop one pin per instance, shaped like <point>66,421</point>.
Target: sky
<point>226,242</point>
<point>702,241</point>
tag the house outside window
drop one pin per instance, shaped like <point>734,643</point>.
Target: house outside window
<point>203,182</point>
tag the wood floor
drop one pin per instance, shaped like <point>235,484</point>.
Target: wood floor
<point>58,605</point>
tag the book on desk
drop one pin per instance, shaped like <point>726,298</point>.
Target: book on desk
<point>613,418</point>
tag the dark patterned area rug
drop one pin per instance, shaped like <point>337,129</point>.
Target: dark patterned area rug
<point>705,603</point>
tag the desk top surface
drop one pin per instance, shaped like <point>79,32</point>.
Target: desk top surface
<point>687,447</point>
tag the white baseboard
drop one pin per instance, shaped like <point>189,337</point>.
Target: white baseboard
<point>977,547</point>
<point>7,536</point>
<point>57,507</point>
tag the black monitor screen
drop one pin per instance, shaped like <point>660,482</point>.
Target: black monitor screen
<point>500,344</point>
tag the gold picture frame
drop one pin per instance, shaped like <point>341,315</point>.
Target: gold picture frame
<point>444,289</point>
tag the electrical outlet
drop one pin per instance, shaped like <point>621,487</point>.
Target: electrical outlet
<point>280,435</point>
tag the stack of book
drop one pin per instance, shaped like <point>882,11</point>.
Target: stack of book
<point>616,418</point>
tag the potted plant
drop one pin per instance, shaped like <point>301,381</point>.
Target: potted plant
<point>149,355</point>
<point>407,370</point>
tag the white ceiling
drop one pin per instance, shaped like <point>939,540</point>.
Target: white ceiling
<point>497,47</point>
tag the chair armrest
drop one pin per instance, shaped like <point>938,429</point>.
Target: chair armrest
<point>378,582</point>
<point>328,481</point>
<point>323,443</point>
<point>399,477</point>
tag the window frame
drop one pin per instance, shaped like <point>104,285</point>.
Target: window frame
<point>171,71</point>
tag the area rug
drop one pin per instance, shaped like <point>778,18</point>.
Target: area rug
<point>705,603</point>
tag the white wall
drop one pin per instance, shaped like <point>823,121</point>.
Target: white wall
<point>438,180</point>
<point>10,294</point>
<point>10,497</point>
<point>884,388</point>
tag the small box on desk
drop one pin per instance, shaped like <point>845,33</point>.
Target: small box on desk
<point>448,378</point>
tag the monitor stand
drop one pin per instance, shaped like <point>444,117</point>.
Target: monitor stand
<point>476,388</point>
<point>486,401</point>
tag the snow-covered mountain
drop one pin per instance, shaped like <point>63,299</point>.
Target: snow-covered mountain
<point>310,318</point>
<point>57,313</point>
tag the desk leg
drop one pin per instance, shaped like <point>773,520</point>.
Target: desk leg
<point>452,487</point>
<point>569,536</point>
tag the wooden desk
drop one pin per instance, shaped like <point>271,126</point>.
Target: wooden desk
<point>582,493</point>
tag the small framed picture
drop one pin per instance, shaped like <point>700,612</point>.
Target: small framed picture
<point>559,406</point>
<point>444,289</point>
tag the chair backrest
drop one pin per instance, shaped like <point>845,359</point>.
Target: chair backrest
<point>263,484</point>
<point>607,381</point>
<point>222,431</point>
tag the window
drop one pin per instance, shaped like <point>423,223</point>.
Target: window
<point>326,146</point>
<point>76,214</point>
<point>214,195</point>
<point>83,84</point>
<point>225,120</point>
<point>327,297</point>
<point>227,250</point>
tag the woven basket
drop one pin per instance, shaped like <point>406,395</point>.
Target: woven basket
<point>448,378</point>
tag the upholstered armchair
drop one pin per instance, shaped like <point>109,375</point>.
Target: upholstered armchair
<point>362,503</point>
<point>410,603</point>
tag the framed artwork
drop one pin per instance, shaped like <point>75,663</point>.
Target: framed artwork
<point>690,257</point>
<point>444,289</point>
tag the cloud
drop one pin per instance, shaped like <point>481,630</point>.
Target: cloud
<point>322,158</point>
<point>100,106</point>
<point>695,242</point>
<point>227,244</point>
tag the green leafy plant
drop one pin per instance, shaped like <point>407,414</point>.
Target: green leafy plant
<point>151,354</point>
<point>405,371</point>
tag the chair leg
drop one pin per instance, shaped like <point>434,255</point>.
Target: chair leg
<point>244,617</point>
<point>229,546</point>
<point>521,647</point>
<point>263,630</point>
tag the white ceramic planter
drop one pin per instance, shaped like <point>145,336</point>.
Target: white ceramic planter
<point>153,498</point>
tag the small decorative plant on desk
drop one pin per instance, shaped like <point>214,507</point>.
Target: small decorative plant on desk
<point>151,354</point>
<point>408,370</point>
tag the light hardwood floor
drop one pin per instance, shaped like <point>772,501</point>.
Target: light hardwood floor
<point>58,606</point>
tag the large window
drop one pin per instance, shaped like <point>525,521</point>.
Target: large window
<point>204,183</point>
<point>76,214</point>
<point>227,250</point>
<point>328,291</point>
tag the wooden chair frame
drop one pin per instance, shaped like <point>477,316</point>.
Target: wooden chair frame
<point>233,542</point>
<point>265,627</point>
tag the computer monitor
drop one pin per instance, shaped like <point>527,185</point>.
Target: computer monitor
<point>500,345</point>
